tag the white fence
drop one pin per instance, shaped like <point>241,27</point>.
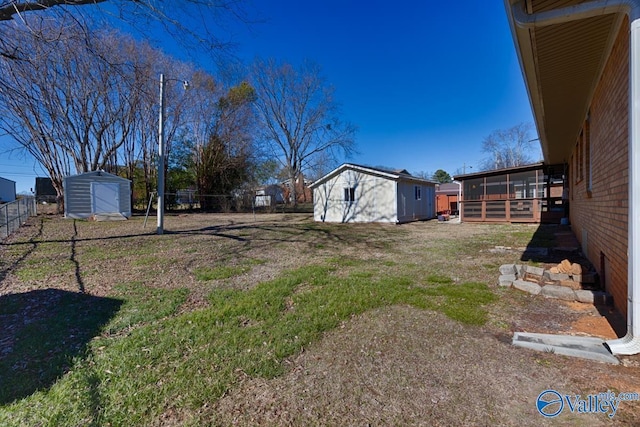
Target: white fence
<point>14,214</point>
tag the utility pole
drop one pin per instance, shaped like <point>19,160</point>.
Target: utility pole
<point>160,229</point>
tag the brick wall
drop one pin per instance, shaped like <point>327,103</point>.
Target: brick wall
<point>599,199</point>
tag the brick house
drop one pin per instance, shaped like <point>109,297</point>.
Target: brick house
<point>303,192</point>
<point>447,195</point>
<point>581,65</point>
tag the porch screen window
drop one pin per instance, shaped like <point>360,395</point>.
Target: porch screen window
<point>496,187</point>
<point>473,189</point>
<point>522,185</point>
<point>350,194</point>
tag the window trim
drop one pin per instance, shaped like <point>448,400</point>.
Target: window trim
<point>349,194</point>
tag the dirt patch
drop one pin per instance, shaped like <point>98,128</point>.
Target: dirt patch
<point>403,366</point>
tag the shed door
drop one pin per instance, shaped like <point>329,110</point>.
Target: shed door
<point>105,197</point>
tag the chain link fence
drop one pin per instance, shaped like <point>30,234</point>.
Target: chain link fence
<point>16,213</point>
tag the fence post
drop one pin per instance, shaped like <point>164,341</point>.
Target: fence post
<point>6,218</point>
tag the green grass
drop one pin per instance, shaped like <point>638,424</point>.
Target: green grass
<point>143,304</point>
<point>194,358</point>
<point>39,269</point>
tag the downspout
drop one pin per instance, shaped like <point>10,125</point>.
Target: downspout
<point>459,199</point>
<point>630,343</point>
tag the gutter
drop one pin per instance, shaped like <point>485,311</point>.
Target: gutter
<point>630,343</point>
<point>459,199</point>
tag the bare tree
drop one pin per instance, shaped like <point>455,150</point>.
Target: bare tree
<point>175,18</point>
<point>508,147</point>
<point>76,103</point>
<point>299,117</point>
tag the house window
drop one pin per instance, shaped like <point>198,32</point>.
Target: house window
<point>350,194</point>
<point>580,158</point>
<point>418,192</point>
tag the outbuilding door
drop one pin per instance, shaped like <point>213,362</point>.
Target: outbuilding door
<point>105,197</point>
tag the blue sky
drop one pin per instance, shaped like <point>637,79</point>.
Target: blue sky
<point>424,81</point>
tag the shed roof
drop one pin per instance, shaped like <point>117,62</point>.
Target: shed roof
<point>395,175</point>
<point>447,188</point>
<point>5,179</point>
<point>97,173</point>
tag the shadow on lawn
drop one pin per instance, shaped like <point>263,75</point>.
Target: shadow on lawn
<point>551,244</point>
<point>42,332</point>
<point>31,246</point>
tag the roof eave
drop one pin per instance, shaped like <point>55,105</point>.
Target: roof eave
<point>568,84</point>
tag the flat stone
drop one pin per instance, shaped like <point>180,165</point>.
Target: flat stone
<point>594,297</point>
<point>520,270</point>
<point>559,292</point>
<point>576,269</point>
<point>566,345</point>
<point>530,287</point>
<point>558,276</point>
<point>536,271</point>
<point>508,269</point>
<point>506,280</point>
<point>571,284</point>
<point>499,250</point>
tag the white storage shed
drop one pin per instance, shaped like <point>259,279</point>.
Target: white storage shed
<point>354,193</point>
<point>7,190</point>
<point>96,193</point>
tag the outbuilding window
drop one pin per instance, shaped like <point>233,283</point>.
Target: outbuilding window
<point>350,194</point>
<point>418,192</point>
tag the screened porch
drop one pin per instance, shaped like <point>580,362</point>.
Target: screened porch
<point>532,193</point>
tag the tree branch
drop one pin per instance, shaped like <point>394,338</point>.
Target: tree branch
<point>8,10</point>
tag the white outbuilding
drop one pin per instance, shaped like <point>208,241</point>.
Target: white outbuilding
<point>7,190</point>
<point>354,193</point>
<point>96,193</point>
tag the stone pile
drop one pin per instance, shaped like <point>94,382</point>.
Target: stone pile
<point>566,281</point>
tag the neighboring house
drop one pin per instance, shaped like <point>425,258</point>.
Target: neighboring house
<point>354,193</point>
<point>447,195</point>
<point>304,194</point>
<point>531,193</point>
<point>186,196</point>
<point>45,191</point>
<point>7,190</point>
<point>96,192</point>
<point>581,66</point>
<point>269,196</point>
